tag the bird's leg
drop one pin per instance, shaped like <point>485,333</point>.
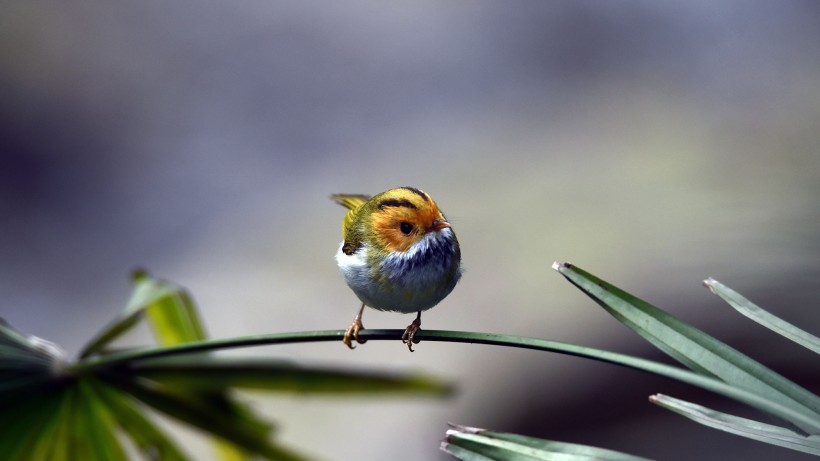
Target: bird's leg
<point>409,336</point>
<point>353,330</point>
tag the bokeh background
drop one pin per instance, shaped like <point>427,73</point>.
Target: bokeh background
<point>652,143</point>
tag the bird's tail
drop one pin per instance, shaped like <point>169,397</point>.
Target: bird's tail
<point>350,201</point>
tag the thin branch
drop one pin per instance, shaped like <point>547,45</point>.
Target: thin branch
<point>95,364</point>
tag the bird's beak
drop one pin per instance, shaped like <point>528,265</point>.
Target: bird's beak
<point>438,225</point>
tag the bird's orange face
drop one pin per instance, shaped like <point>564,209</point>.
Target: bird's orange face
<point>402,216</point>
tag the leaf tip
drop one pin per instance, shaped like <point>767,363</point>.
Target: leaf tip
<point>139,274</point>
<point>456,428</point>
<point>558,266</point>
<point>710,284</point>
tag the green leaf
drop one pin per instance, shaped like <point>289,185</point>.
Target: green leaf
<point>149,439</point>
<point>761,316</point>
<point>79,428</point>
<point>173,318</point>
<point>32,391</point>
<point>696,349</point>
<point>208,415</point>
<point>169,309</point>
<point>26,360</point>
<point>27,426</point>
<point>205,372</point>
<point>744,427</point>
<point>93,428</point>
<point>466,454</point>
<point>60,445</point>
<point>474,444</point>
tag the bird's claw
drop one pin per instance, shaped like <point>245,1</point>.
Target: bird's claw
<point>409,336</point>
<point>352,332</point>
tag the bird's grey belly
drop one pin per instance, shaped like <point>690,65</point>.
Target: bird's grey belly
<point>406,283</point>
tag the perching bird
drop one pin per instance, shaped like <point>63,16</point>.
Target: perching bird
<point>398,254</point>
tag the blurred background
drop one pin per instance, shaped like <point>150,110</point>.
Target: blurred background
<point>653,144</point>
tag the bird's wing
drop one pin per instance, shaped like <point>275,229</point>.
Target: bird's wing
<point>351,236</point>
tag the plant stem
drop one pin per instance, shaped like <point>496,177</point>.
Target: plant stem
<point>98,363</point>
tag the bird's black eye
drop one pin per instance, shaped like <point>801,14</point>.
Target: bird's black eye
<point>406,228</point>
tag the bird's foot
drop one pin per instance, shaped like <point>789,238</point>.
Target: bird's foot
<point>409,336</point>
<point>352,333</point>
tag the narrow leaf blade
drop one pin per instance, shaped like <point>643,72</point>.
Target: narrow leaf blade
<point>694,348</point>
<point>763,317</point>
<point>464,454</point>
<point>146,292</point>
<point>93,428</point>
<point>27,426</point>
<point>550,446</point>
<point>206,372</point>
<point>61,445</point>
<point>767,433</point>
<point>174,319</point>
<point>149,439</point>
<point>471,443</point>
<point>26,360</point>
<point>215,419</point>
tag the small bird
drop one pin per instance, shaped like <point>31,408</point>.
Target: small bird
<point>398,254</point>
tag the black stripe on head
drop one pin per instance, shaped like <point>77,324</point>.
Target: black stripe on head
<point>395,202</point>
<point>416,191</point>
